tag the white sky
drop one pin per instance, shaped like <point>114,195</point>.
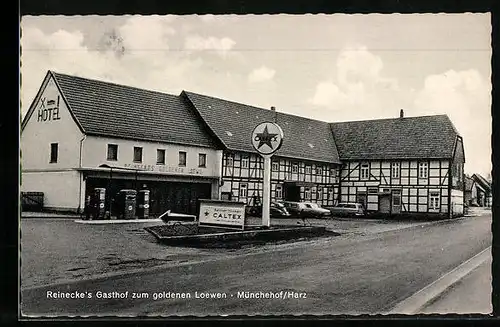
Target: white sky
<point>328,67</point>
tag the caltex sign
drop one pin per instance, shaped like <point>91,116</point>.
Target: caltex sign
<point>267,138</point>
<point>222,213</point>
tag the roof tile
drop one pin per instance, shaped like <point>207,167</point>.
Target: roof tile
<point>110,109</point>
<point>398,138</point>
<point>302,136</point>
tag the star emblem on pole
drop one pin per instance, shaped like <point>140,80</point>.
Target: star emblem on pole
<point>265,138</point>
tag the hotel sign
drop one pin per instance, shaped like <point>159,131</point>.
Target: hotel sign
<point>48,110</point>
<point>222,213</point>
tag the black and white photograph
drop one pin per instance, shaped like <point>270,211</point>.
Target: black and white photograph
<point>223,165</point>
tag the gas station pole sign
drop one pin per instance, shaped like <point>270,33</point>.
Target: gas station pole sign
<point>267,138</point>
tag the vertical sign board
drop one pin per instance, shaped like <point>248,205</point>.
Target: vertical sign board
<point>227,214</point>
<point>267,138</point>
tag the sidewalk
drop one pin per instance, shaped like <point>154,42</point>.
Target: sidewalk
<point>32,214</point>
<point>78,218</point>
<point>478,211</point>
<point>464,290</point>
<point>471,294</point>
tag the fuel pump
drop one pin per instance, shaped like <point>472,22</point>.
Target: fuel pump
<point>143,204</point>
<point>127,203</point>
<point>98,200</point>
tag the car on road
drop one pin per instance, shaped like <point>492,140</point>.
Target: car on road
<point>314,210</point>
<point>276,210</point>
<point>346,209</point>
<point>306,209</point>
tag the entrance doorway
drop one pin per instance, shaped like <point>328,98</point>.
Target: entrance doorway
<point>292,192</point>
<point>384,203</point>
<point>396,201</point>
<point>361,198</point>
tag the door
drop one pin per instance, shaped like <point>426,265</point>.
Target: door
<point>292,193</point>
<point>396,201</point>
<point>361,198</point>
<point>384,203</point>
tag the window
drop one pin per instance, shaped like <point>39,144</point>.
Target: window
<point>434,201</point>
<point>160,157</point>
<point>365,171</point>
<point>53,152</point>
<point>395,170</point>
<point>243,191</point>
<point>279,192</point>
<point>422,170</point>
<point>333,172</point>
<point>229,161</point>
<point>295,168</point>
<point>319,171</point>
<point>308,169</point>
<point>275,166</point>
<point>244,162</point>
<point>202,160</point>
<point>182,158</point>
<point>372,190</point>
<point>307,193</point>
<point>112,152</point>
<point>137,154</point>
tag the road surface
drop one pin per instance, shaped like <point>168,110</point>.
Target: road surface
<point>353,275</point>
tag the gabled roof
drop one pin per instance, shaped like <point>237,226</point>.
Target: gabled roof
<point>396,138</point>
<point>113,110</point>
<point>469,182</point>
<point>233,124</point>
<point>482,182</point>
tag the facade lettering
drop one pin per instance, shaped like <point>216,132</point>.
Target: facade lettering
<point>164,169</point>
<point>46,113</point>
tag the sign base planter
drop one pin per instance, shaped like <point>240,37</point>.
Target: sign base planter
<point>200,236</point>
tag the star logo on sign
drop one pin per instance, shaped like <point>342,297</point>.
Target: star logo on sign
<point>265,138</point>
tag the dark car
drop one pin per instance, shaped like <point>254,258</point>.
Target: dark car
<point>276,210</point>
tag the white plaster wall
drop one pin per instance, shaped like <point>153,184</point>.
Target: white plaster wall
<point>457,202</point>
<point>95,151</point>
<point>61,189</point>
<point>38,134</point>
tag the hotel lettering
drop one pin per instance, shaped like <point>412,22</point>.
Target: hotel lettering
<point>49,110</point>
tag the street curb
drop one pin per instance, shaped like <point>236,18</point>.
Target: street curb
<point>419,300</point>
<point>117,221</point>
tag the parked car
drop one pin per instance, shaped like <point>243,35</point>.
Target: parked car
<point>314,210</point>
<point>293,208</point>
<point>276,210</point>
<point>306,209</point>
<point>345,209</point>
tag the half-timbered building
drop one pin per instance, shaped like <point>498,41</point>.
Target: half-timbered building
<point>80,134</point>
<point>306,168</point>
<point>402,165</point>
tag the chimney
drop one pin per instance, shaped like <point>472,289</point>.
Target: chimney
<point>401,113</point>
<point>273,109</point>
